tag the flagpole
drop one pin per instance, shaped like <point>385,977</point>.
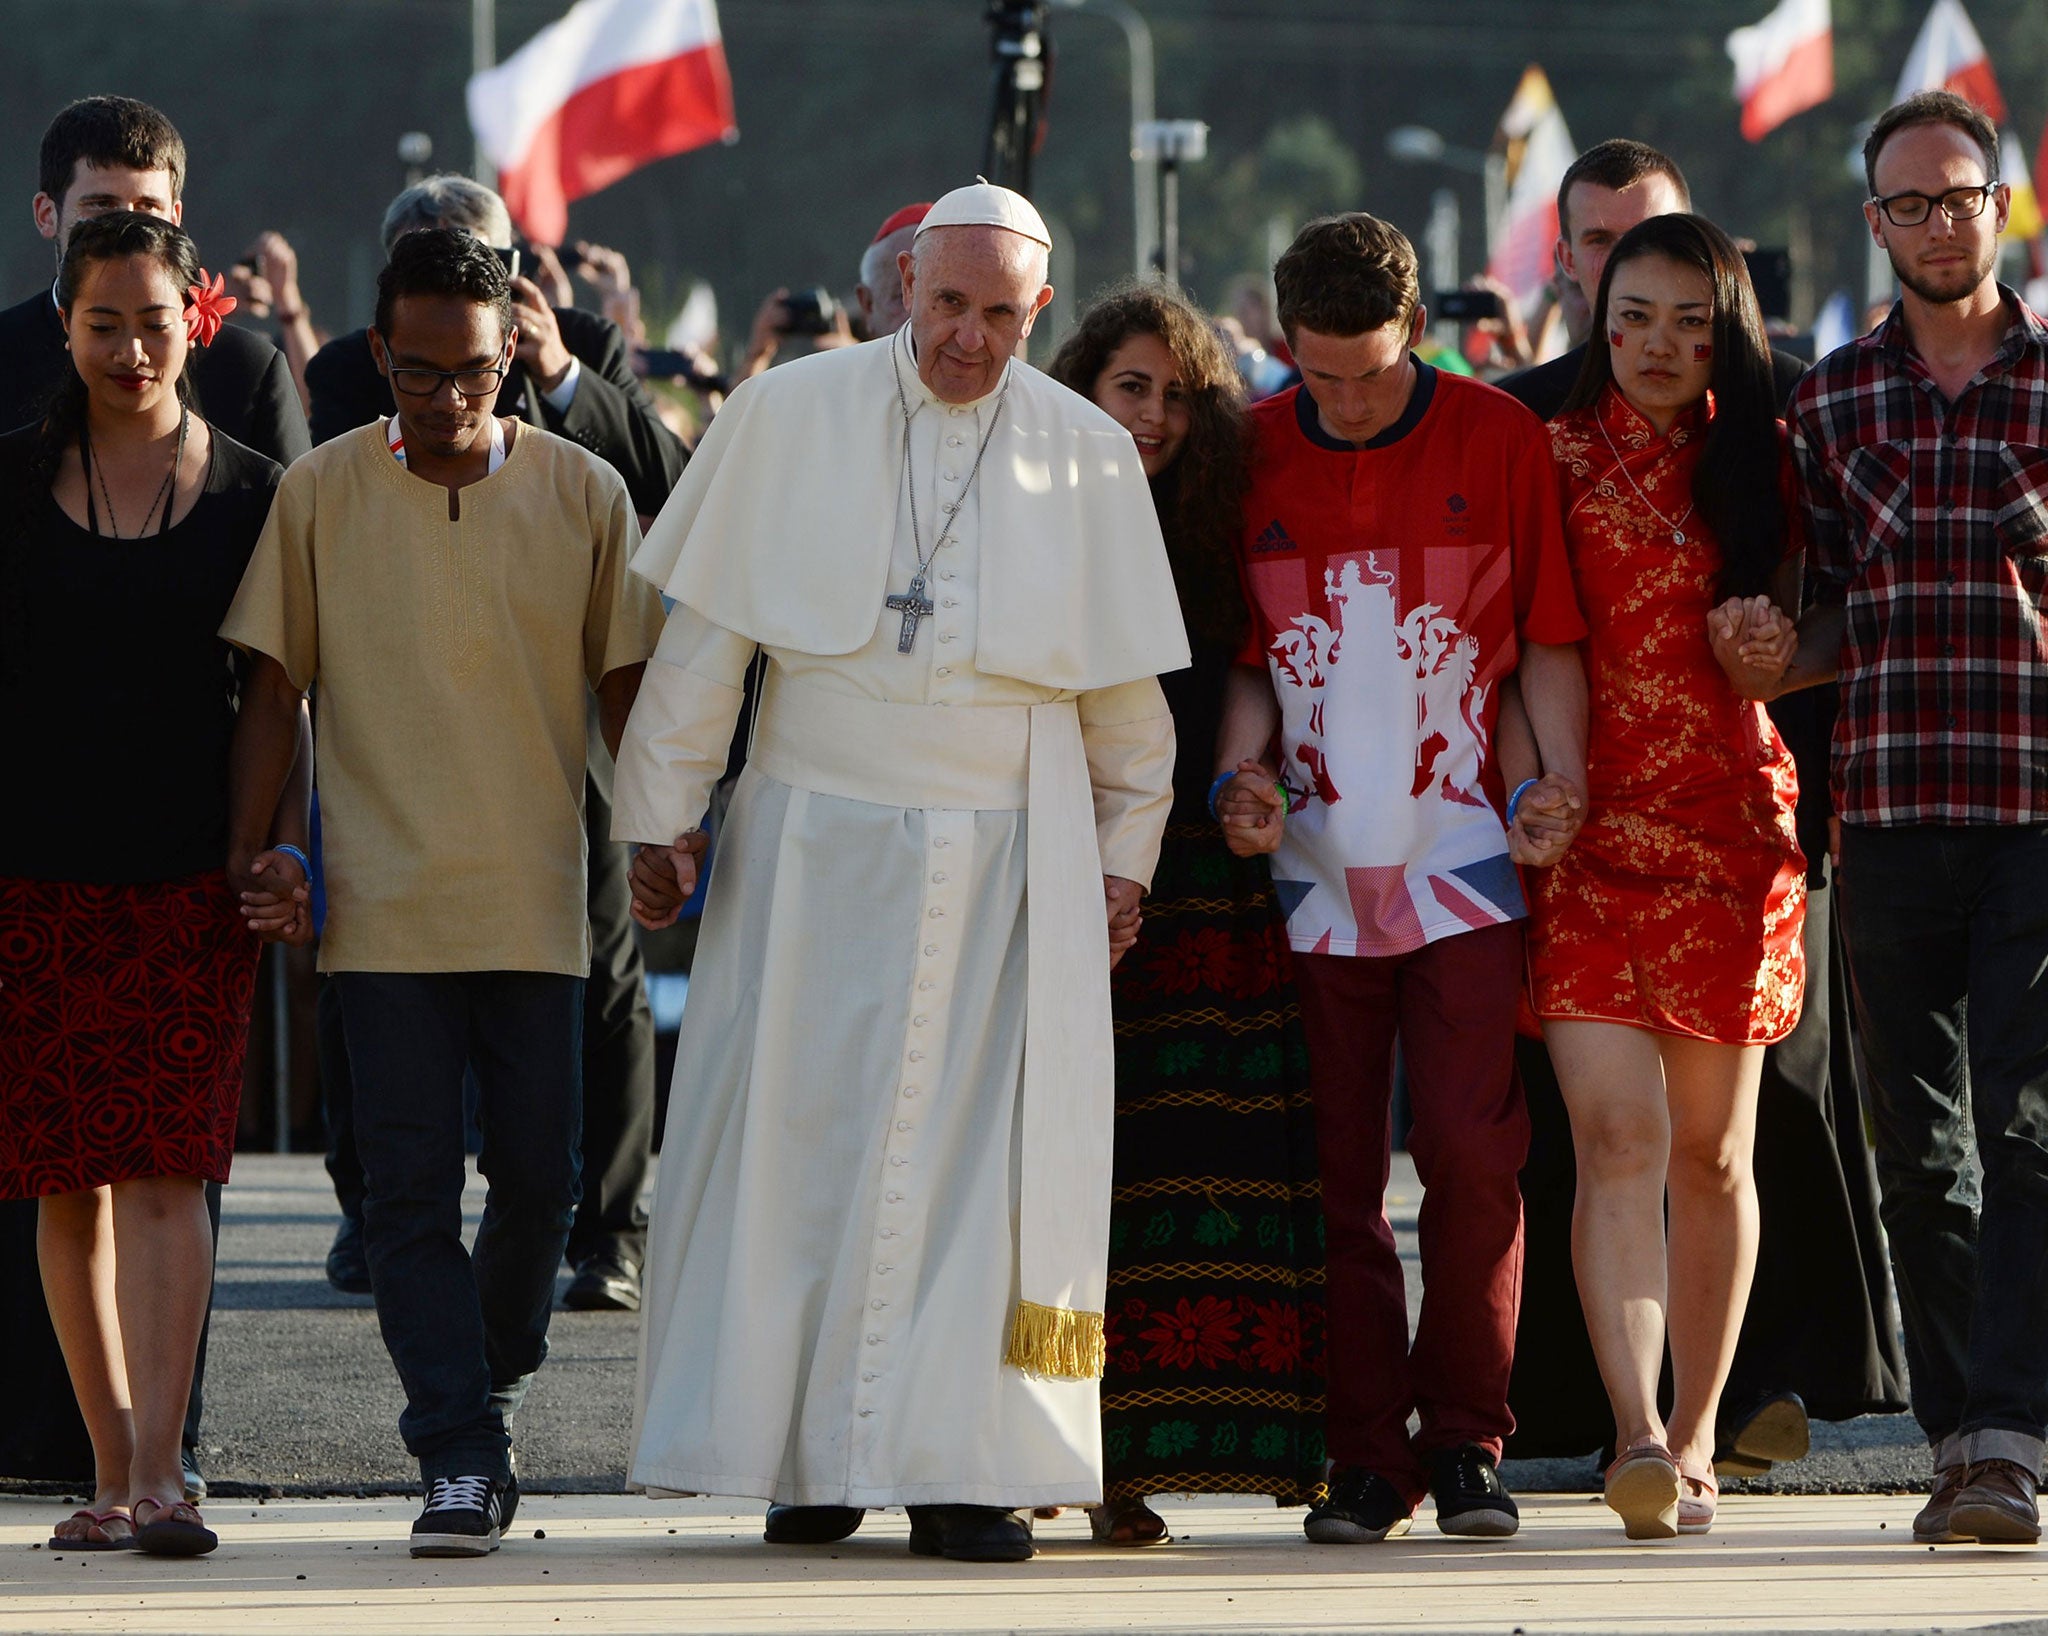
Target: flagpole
<point>483,54</point>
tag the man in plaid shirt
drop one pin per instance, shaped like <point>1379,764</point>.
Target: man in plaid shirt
<point>1923,452</point>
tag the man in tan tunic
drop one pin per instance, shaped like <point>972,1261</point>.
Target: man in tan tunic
<point>451,585</point>
<point>876,1268</point>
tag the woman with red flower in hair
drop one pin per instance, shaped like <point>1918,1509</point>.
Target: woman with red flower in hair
<point>127,960</point>
<point>1215,1230</point>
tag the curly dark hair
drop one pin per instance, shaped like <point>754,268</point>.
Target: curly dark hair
<point>1735,485</point>
<point>444,261</point>
<point>1201,495</point>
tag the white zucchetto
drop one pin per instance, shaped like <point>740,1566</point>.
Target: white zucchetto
<point>986,205</point>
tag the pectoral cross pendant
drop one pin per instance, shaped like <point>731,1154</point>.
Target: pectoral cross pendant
<point>915,606</point>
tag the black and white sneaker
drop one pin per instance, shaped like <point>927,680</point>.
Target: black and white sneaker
<point>464,1516</point>
<point>1471,1500</point>
<point>1363,1508</point>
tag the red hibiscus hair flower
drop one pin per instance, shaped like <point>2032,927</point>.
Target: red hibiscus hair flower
<point>207,305</point>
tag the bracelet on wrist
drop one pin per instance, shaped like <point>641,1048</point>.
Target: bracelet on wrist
<point>1521,789</point>
<point>1216,789</point>
<point>305,863</point>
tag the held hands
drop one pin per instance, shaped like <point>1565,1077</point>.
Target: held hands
<point>1754,642</point>
<point>276,902</point>
<point>1252,810</point>
<point>1120,899</point>
<point>1546,819</point>
<point>663,877</point>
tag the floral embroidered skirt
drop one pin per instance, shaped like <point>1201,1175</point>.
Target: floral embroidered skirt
<point>1214,1382</point>
<point>124,1015</point>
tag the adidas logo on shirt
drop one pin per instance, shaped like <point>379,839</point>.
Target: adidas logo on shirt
<point>1274,538</point>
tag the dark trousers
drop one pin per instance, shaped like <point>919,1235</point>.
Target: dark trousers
<point>1947,935</point>
<point>1451,1005</point>
<point>466,1329</point>
<point>618,1069</point>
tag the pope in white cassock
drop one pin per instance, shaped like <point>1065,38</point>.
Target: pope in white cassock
<point>875,1273</point>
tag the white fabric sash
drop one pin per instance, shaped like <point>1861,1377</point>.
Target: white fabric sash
<point>1005,758</point>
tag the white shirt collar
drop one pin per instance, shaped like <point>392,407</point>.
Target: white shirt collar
<point>394,440</point>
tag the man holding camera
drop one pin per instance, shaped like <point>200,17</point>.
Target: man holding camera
<point>826,322</point>
<point>569,375</point>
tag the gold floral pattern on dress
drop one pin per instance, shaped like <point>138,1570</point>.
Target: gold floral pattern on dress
<point>1680,906</point>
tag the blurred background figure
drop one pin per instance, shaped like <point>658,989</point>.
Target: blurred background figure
<point>266,284</point>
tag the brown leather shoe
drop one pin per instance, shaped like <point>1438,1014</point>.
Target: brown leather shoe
<point>1997,1505</point>
<point>1931,1526</point>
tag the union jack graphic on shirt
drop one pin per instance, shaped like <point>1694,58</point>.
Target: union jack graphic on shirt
<point>1383,718</point>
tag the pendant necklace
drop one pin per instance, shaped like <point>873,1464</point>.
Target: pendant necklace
<point>912,602</point>
<point>1675,524</point>
<point>93,471</point>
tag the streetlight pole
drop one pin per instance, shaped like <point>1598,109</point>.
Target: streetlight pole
<point>1172,143</point>
<point>483,54</point>
<point>1144,169</point>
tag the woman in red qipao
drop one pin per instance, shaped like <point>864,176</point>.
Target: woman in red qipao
<point>1665,946</point>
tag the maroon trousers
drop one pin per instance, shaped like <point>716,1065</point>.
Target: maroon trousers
<point>1451,1004</point>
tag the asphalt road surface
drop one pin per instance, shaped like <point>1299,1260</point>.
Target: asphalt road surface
<point>301,1398</point>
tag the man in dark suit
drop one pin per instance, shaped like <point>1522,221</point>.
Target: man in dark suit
<point>570,376</point>
<point>113,153</point>
<point>98,155</point>
<point>1606,191</point>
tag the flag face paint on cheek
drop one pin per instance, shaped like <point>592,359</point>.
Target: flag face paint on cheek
<point>1614,337</point>
<point>1702,351</point>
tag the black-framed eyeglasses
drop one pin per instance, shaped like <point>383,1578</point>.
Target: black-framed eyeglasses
<point>1958,204</point>
<point>424,383</point>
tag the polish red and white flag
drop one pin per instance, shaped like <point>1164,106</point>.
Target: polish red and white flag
<point>609,87</point>
<point>1948,56</point>
<point>1784,65</point>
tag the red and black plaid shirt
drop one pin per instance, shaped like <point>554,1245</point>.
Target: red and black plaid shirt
<point>1930,527</point>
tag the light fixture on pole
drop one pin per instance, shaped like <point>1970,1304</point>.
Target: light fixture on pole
<point>1419,145</point>
<point>1144,171</point>
<point>483,55</point>
<point>415,153</point>
<point>1171,143</point>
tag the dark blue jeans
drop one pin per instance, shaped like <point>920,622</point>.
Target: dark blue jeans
<point>1947,934</point>
<point>466,1330</point>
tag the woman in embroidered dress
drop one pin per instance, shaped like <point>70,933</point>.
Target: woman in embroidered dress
<point>1665,947</point>
<point>1214,1376</point>
<point>127,963</point>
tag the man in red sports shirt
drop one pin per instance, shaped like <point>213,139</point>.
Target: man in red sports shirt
<point>1403,556</point>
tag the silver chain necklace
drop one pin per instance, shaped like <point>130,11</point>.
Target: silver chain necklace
<point>912,602</point>
<point>1675,524</point>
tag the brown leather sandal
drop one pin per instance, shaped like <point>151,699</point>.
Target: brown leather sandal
<point>1126,1522</point>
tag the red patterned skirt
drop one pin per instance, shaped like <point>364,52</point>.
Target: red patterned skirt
<point>124,1015</point>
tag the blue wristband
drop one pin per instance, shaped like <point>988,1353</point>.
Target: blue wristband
<point>1215,790</point>
<point>305,863</point>
<point>1521,790</point>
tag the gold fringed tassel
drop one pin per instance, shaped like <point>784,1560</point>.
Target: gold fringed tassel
<point>1054,1341</point>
